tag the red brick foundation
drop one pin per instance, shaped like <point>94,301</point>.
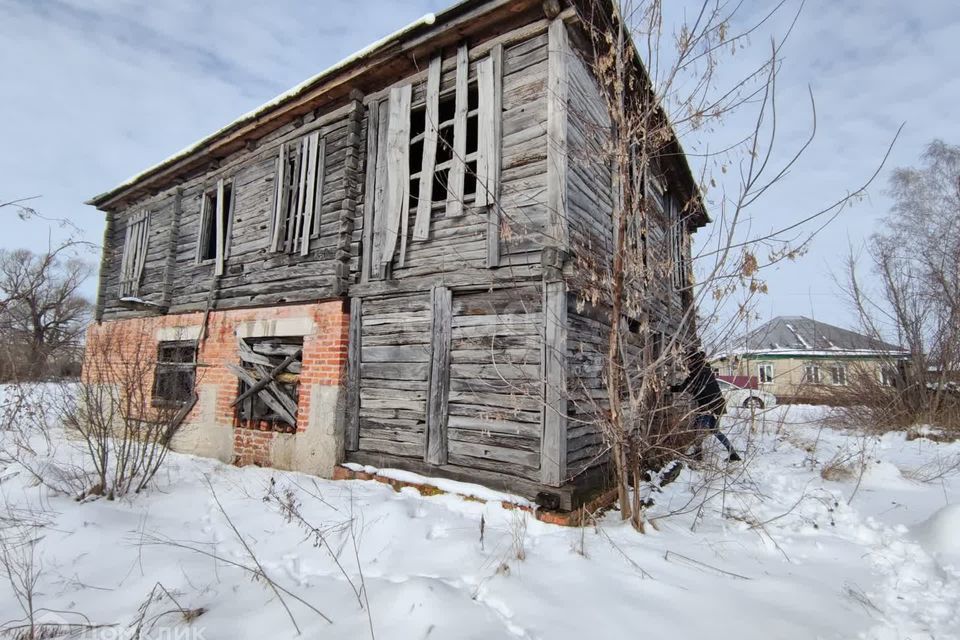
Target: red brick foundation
<point>127,342</point>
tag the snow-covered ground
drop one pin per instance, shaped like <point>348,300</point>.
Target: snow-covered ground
<point>775,551</point>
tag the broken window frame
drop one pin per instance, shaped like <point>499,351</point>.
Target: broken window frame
<point>298,198</point>
<point>394,181</point>
<point>135,246</point>
<point>678,246</point>
<point>216,220</point>
<point>170,366</point>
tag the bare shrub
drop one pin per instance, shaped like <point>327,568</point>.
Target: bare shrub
<point>111,416</point>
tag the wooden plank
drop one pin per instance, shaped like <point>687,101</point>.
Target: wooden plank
<point>397,193</point>
<point>494,154</point>
<point>403,353</point>
<point>558,87</point>
<point>295,224</point>
<point>270,401</point>
<point>380,194</point>
<point>458,167</point>
<point>203,225</point>
<point>421,228</point>
<point>278,203</point>
<point>351,415</point>
<point>369,190</point>
<point>220,230</point>
<point>265,380</point>
<point>553,451</point>
<point>518,457</point>
<point>439,381</point>
<point>314,151</point>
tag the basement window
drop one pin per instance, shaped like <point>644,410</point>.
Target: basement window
<point>275,405</point>
<point>175,374</point>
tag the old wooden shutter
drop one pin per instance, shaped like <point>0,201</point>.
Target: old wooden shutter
<point>421,227</point>
<point>489,141</point>
<point>221,229</point>
<point>279,208</point>
<point>134,254</point>
<point>391,220</point>
<point>458,162</point>
<point>489,92</point>
<point>311,190</point>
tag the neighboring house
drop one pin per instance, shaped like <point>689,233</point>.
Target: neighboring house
<point>800,360</point>
<point>406,278</point>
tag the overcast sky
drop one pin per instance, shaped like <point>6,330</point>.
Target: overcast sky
<point>97,90</point>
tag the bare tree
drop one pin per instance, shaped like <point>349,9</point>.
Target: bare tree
<point>914,297</point>
<point>42,311</point>
<point>660,83</point>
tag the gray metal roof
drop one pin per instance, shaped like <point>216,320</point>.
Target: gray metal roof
<point>797,333</point>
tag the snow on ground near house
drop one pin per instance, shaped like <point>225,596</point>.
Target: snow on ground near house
<point>776,552</point>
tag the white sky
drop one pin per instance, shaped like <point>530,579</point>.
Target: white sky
<point>97,90</point>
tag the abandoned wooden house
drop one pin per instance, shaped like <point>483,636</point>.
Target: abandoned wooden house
<point>379,266</point>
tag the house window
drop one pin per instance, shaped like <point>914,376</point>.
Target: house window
<point>278,362</point>
<point>134,253</point>
<point>765,373</point>
<point>216,207</point>
<point>299,195</point>
<point>811,374</point>
<point>175,374</point>
<point>444,147</point>
<point>838,375</point>
<point>888,376</point>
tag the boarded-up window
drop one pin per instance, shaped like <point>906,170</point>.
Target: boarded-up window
<point>434,155</point>
<point>134,254</point>
<point>299,195</point>
<point>216,209</point>
<point>175,374</point>
<point>271,368</point>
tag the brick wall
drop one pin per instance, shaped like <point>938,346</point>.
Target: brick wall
<point>131,345</point>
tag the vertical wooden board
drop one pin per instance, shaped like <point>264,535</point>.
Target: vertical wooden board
<point>295,224</point>
<point>125,259</point>
<point>220,230</point>
<point>553,445</point>
<point>144,225</point>
<point>278,208</point>
<point>351,415</point>
<point>203,226</point>
<point>558,88</point>
<point>380,195</point>
<point>491,137</point>
<point>421,228</point>
<point>171,258</point>
<point>318,189</point>
<point>437,404</point>
<point>369,188</point>
<point>458,167</point>
<point>315,146</point>
<point>398,176</point>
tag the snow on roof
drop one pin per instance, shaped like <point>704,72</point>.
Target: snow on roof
<point>800,336</point>
<point>250,116</point>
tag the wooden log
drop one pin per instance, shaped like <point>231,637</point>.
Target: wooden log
<point>439,380</point>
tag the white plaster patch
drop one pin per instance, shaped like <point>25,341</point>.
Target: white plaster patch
<point>301,326</point>
<point>173,334</point>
